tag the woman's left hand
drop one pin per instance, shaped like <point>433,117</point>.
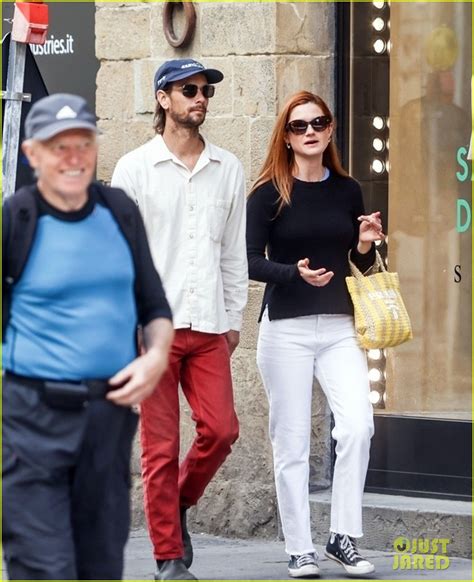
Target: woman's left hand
<point>370,228</point>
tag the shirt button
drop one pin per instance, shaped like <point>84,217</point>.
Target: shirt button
<point>191,290</point>
<point>191,235</point>
<point>191,208</point>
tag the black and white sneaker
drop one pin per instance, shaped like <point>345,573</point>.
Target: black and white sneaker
<point>303,566</point>
<point>343,550</point>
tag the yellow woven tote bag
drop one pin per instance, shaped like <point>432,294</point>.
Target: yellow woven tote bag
<point>381,318</point>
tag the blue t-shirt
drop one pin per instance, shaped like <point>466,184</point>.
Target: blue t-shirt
<point>73,312</point>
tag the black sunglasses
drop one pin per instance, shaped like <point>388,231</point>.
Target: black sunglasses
<point>191,90</point>
<point>299,126</point>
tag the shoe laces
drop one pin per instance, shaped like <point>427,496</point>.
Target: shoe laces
<point>305,560</point>
<point>350,549</point>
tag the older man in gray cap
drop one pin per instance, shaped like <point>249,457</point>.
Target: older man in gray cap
<point>191,194</point>
<point>78,278</point>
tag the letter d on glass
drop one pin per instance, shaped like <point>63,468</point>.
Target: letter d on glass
<point>460,205</point>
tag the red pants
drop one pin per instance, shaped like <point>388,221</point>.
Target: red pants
<point>200,363</point>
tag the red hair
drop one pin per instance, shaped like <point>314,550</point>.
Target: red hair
<point>280,162</point>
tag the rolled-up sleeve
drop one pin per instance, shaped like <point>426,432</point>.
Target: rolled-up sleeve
<point>234,258</point>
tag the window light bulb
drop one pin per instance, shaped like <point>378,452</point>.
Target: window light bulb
<point>378,24</point>
<point>375,375</point>
<point>379,46</point>
<point>378,122</point>
<point>378,144</point>
<point>378,166</point>
<point>375,397</point>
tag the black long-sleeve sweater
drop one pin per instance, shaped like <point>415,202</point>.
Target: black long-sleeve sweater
<point>320,224</point>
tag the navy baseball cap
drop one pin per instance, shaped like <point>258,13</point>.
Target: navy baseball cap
<point>57,113</point>
<point>178,69</point>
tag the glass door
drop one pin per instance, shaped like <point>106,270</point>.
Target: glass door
<point>405,116</point>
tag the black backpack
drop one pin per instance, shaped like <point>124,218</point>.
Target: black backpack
<point>20,216</point>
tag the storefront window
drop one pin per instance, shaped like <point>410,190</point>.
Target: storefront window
<point>429,214</point>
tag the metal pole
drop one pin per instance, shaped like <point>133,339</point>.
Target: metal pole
<point>11,126</point>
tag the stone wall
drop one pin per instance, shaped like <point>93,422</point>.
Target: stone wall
<point>267,51</point>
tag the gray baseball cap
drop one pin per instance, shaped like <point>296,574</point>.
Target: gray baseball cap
<point>57,113</point>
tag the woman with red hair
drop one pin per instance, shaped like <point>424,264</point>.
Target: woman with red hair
<point>305,216</point>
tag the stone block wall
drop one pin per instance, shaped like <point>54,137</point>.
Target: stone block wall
<point>267,51</point>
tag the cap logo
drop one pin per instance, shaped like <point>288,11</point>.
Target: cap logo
<point>193,65</point>
<point>66,113</point>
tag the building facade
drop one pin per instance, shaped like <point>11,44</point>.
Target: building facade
<point>397,76</point>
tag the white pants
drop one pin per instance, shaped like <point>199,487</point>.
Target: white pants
<point>289,353</point>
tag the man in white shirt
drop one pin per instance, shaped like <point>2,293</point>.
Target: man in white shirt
<point>192,197</point>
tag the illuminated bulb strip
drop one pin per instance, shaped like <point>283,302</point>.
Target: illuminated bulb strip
<point>376,358</point>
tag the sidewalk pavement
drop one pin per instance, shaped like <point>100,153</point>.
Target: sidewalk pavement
<point>217,558</point>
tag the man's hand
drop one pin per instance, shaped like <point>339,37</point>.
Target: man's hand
<point>138,380</point>
<point>233,338</point>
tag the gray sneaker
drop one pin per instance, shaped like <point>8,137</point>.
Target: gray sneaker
<point>173,570</point>
<point>302,566</point>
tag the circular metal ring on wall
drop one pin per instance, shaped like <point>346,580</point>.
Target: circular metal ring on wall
<point>189,27</point>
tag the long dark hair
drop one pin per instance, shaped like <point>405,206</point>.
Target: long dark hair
<point>159,119</point>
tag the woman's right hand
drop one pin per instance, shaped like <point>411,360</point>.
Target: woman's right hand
<point>317,278</point>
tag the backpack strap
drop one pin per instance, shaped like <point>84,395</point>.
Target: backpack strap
<point>127,215</point>
<point>20,216</point>
<point>123,210</point>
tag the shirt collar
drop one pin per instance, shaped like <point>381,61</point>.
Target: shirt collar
<point>162,154</point>
<point>213,153</point>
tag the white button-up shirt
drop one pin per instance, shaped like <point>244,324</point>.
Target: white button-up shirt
<point>196,228</point>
